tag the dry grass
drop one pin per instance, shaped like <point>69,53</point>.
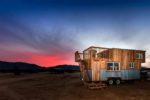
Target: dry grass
<point>44,86</point>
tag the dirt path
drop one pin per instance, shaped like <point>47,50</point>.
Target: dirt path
<point>9,92</point>
<point>20,78</point>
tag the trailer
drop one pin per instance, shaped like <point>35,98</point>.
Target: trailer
<point>112,65</point>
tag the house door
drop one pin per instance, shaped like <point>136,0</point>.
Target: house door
<point>96,71</point>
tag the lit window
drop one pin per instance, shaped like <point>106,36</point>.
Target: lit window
<point>139,56</point>
<point>131,65</point>
<point>113,66</point>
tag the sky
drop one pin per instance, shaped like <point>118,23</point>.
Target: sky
<point>48,32</point>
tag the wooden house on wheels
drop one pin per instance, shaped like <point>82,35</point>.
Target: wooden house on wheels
<point>109,64</point>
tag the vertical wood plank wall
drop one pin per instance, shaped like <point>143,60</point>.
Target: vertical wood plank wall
<point>124,56</point>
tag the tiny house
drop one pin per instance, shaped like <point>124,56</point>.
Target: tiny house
<point>110,64</point>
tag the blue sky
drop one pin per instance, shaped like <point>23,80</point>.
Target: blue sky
<point>51,29</point>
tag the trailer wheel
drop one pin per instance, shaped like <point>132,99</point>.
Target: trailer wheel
<point>118,81</point>
<point>110,81</point>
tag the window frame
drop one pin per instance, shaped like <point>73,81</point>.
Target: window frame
<point>139,56</point>
<point>132,65</point>
<point>113,66</point>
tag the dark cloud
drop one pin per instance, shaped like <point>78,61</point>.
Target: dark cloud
<point>57,40</point>
<point>41,5</point>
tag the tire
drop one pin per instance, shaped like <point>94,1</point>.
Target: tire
<point>110,81</point>
<point>118,81</point>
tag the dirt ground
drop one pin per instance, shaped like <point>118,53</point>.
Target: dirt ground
<point>45,86</point>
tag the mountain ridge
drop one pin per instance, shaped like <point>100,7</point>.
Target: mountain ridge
<point>22,66</point>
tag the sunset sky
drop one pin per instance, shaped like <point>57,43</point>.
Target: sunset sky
<point>48,32</point>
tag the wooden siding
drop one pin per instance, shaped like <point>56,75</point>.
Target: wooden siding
<point>96,56</point>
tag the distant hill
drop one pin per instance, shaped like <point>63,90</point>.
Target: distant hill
<point>64,68</point>
<point>20,66</point>
<point>26,67</point>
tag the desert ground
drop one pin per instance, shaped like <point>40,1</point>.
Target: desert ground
<point>68,86</point>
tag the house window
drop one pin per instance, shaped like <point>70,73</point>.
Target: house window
<point>109,66</point>
<point>139,56</point>
<point>131,65</point>
<point>116,66</point>
<point>113,66</point>
<point>103,54</point>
